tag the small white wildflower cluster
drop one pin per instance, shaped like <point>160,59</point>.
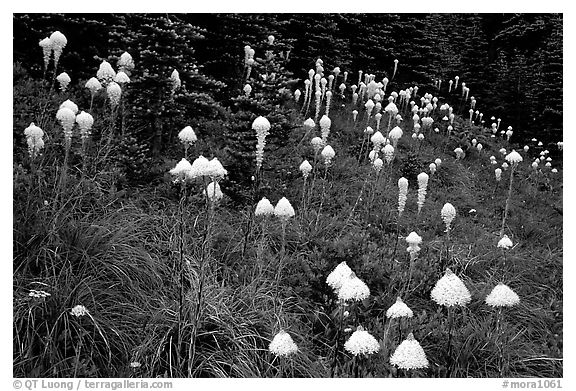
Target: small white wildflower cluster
<point>125,63</point>
<point>388,153</point>
<point>328,154</point>
<point>56,44</point>
<point>459,153</point>
<point>114,92</point>
<point>450,290</point>
<point>325,124</point>
<point>514,158</point>
<point>353,288</point>
<point>337,276</point>
<point>248,57</point>
<point>93,85</point>
<point>262,127</point>
<point>498,174</point>
<point>187,136</point>
<point>502,296</point>
<point>409,355</point>
<point>34,139</point>
<point>66,115</point>
<point>448,213</point>
<point>121,78</point>
<point>38,294</point>
<point>201,167</point>
<point>395,134</point>
<point>402,194</point>
<point>64,80</point>
<point>284,210</point>
<point>316,143</point>
<point>85,122</point>
<point>282,345</point>
<point>361,342</point>
<point>413,240</point>
<point>79,310</point>
<point>505,242</point>
<point>247,90</point>
<point>105,73</point>
<point>175,81</point>
<point>398,310</point>
<point>432,168</point>
<point>264,208</point>
<point>422,186</point>
<point>306,169</point>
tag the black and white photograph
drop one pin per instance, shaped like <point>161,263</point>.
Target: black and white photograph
<point>287,195</point>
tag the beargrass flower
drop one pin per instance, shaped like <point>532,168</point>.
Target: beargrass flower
<point>554,170</point>
<point>432,168</point>
<point>305,168</point>
<point>79,310</point>
<point>175,80</point>
<point>71,105</point>
<point>377,139</point>
<point>213,192</point>
<point>409,355</point>
<point>448,213</point>
<point>505,242</point>
<point>514,157</point>
<point>498,174</point>
<point>402,194</point>
<point>459,153</point>
<point>297,94</point>
<point>181,170</point>
<point>337,277</point>
<point>395,135</point>
<point>114,93</point>
<point>200,167</point>
<point>353,288</point>
<point>422,186</point>
<point>325,124</point>
<point>282,345</point>
<point>413,240</point>
<point>388,153</point>
<point>215,170</point>
<point>46,45</point>
<point>34,139</point>
<point>361,342</point>
<point>93,85</point>
<point>125,63</point>
<point>560,145</point>
<point>85,122</point>
<point>283,210</point>
<point>64,80</point>
<point>59,41</point>
<point>354,115</point>
<point>264,208</point>
<point>328,154</point>
<point>105,72</point>
<point>450,290</point>
<point>479,147</point>
<point>121,78</point>
<point>377,164</point>
<point>316,143</point>
<point>505,166</point>
<point>67,119</point>
<point>398,310</point>
<point>502,296</point>
<point>187,136</point>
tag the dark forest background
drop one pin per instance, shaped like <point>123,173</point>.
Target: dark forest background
<point>512,63</point>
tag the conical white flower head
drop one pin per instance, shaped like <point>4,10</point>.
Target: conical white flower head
<point>67,119</point>
<point>448,213</point>
<point>264,207</point>
<point>402,194</point>
<point>502,296</point>
<point>93,85</point>
<point>353,288</point>
<point>514,157</point>
<point>85,122</point>
<point>114,93</point>
<point>325,122</point>
<point>372,155</point>
<point>33,131</point>
<point>105,72</point>
<point>498,174</point>
<point>71,105</point>
<point>200,167</point>
<point>46,45</point>
<point>182,169</point>
<point>64,80</point>
<point>175,80</point>
<point>59,41</point>
<point>187,135</point>
<point>309,123</point>
<point>247,89</point>
<point>337,277</point>
<point>284,210</point>
<point>438,162</point>
<point>450,290</point>
<point>125,63</point>
<point>328,154</point>
<point>305,168</point>
<point>377,164</point>
<point>432,168</point>
<point>361,342</point>
<point>282,345</point>
<point>413,240</point>
<point>398,310</point>
<point>369,130</point>
<point>459,153</point>
<point>388,153</point>
<point>422,186</point>
<point>297,94</point>
<point>391,109</point>
<point>121,78</point>
<point>505,242</point>
<point>34,139</point>
<point>215,170</point>
<point>409,355</point>
<point>378,139</point>
<point>262,126</point>
<point>214,192</point>
<point>316,144</point>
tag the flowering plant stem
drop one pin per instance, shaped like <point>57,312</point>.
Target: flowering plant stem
<point>255,188</point>
<point>322,196</point>
<point>508,199</point>
<point>449,348</point>
<point>338,336</point>
<point>180,267</point>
